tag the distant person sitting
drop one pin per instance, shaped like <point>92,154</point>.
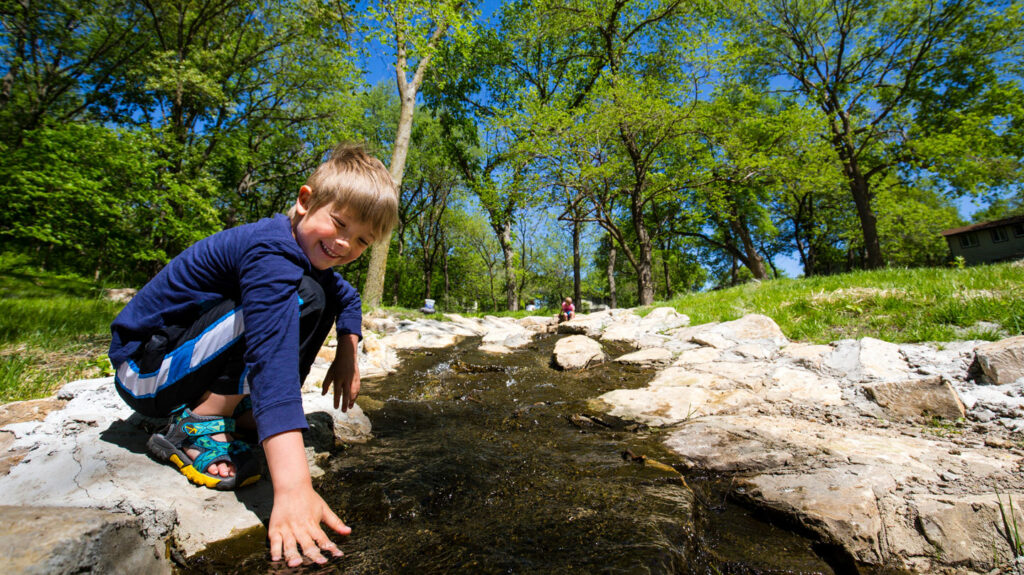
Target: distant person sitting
<point>428,306</point>
<point>568,310</point>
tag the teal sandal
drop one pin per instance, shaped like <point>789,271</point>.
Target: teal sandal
<point>189,430</point>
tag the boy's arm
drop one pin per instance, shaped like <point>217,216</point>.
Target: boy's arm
<point>298,509</point>
<point>344,372</point>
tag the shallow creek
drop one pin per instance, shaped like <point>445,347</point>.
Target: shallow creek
<point>496,464</point>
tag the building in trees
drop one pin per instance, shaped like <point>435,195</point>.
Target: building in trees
<point>986,242</point>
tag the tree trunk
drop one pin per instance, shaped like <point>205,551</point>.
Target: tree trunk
<point>612,296</point>
<point>576,296</point>
<point>374,287</point>
<point>505,238</point>
<point>645,277</point>
<point>861,191</point>
<point>645,264</point>
<point>444,267</point>
<point>397,284</point>
<point>753,260</point>
<point>668,279</point>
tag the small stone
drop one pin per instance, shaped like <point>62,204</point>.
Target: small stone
<point>947,476</point>
<point>998,443</point>
<point>984,415</point>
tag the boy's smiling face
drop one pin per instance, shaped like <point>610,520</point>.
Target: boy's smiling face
<point>329,236</point>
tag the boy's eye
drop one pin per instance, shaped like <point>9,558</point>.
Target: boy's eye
<point>339,223</point>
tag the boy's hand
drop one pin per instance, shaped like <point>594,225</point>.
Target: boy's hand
<point>344,373</point>
<point>298,509</point>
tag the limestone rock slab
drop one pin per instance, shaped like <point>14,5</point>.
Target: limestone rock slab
<point>752,327</point>
<point>66,540</point>
<point>539,323</point>
<point>577,352</point>
<point>811,356</point>
<point>794,385</point>
<point>1002,361</point>
<point>715,444</point>
<point>917,399</point>
<point>662,319</point>
<point>969,529</point>
<point>647,357</point>
<point>92,453</point>
<point>667,405</point>
<point>838,504</point>
<point>591,324</point>
<point>698,355</point>
<point>625,330</point>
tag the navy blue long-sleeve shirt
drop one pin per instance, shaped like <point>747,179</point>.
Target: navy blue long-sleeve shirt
<point>259,265</point>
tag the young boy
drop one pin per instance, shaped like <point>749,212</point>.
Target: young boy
<point>242,314</point>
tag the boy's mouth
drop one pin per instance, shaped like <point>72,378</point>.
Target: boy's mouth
<point>327,250</point>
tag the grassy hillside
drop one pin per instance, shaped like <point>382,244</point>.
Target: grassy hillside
<point>897,305</point>
<point>54,329</point>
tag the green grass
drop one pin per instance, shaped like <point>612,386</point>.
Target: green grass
<point>897,305</point>
<point>53,329</point>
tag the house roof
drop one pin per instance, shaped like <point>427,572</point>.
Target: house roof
<point>983,226</point>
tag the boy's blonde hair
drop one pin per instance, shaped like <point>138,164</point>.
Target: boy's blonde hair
<point>353,178</point>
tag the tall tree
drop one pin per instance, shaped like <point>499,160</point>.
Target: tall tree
<point>415,30</point>
<point>873,66</point>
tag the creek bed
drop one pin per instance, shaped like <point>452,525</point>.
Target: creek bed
<point>498,464</point>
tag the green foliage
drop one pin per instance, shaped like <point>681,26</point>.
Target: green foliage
<point>89,199</point>
<point>910,222</point>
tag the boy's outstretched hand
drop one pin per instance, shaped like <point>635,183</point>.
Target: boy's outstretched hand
<point>298,509</point>
<point>344,373</point>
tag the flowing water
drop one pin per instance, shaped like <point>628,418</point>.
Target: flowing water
<point>498,464</point>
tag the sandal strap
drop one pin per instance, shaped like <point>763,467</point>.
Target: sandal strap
<point>199,425</point>
<point>212,451</point>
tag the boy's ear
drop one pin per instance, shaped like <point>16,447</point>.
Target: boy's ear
<point>302,204</point>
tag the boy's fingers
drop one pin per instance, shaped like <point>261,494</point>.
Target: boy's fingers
<point>354,391</point>
<point>312,550</point>
<point>291,552</point>
<point>335,523</point>
<point>275,547</point>
<point>328,380</point>
<point>329,546</point>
